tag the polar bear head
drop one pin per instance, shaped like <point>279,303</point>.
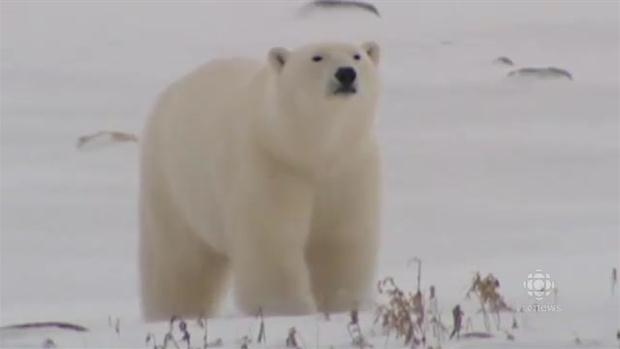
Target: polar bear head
<point>321,99</point>
<point>326,77</point>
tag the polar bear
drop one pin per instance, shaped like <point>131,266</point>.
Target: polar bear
<point>266,174</point>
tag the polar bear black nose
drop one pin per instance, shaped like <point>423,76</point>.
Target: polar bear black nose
<point>345,75</point>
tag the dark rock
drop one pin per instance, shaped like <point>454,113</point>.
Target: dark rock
<point>344,4</point>
<point>503,60</point>
<point>542,73</point>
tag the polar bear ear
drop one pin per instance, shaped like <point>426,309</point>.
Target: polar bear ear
<point>372,50</point>
<point>278,57</point>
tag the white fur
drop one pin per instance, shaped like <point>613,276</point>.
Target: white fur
<point>260,172</point>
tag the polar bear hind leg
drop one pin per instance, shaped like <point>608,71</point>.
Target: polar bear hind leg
<point>181,275</point>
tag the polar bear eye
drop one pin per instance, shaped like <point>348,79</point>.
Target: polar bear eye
<point>357,57</point>
<point>317,58</point>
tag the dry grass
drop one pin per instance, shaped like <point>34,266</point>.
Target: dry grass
<point>413,317</point>
<point>403,314</point>
<point>486,291</point>
<point>179,337</point>
<point>355,332</point>
<point>291,339</point>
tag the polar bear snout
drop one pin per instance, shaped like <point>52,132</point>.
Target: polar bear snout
<point>346,80</point>
<point>345,75</point>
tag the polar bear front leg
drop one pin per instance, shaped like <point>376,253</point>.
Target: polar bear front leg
<point>343,241</point>
<point>270,222</point>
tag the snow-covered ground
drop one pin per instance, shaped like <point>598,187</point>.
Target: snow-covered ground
<point>481,172</point>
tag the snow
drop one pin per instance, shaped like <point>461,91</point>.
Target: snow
<point>481,172</point>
